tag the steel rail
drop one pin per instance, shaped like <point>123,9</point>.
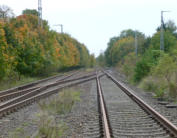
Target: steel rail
<point>28,100</point>
<point>15,94</point>
<point>157,116</point>
<point>37,91</point>
<point>34,89</point>
<point>25,86</point>
<point>106,131</point>
<point>81,77</point>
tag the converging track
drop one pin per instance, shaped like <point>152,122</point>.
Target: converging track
<point>113,109</point>
<point>19,99</point>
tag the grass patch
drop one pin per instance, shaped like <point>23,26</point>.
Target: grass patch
<point>148,84</point>
<point>62,103</point>
<point>17,133</point>
<point>89,69</point>
<point>48,125</point>
<point>7,83</point>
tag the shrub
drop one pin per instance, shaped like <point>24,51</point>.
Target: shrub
<point>155,85</point>
<point>173,90</point>
<point>141,70</point>
<point>148,84</point>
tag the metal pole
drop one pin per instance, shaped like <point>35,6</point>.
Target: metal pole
<point>136,44</point>
<point>161,33</point>
<point>162,46</point>
<point>40,13</point>
<point>61,28</point>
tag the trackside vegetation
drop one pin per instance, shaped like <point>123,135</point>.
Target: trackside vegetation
<point>152,69</point>
<point>27,49</point>
<point>49,118</point>
<point>49,122</point>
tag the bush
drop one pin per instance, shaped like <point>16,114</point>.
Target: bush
<point>173,90</point>
<point>154,85</point>
<point>149,84</point>
<point>129,65</point>
<point>141,70</point>
<point>160,92</point>
<point>166,70</point>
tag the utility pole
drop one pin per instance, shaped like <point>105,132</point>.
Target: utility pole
<point>161,32</point>
<point>40,13</point>
<point>60,26</point>
<point>136,44</point>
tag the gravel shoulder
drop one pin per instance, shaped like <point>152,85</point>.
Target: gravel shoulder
<point>169,113</point>
<point>23,121</point>
<point>83,115</point>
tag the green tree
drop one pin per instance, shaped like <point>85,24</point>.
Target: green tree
<point>169,26</point>
<point>101,60</point>
<point>92,60</point>
<point>108,53</point>
<point>144,65</point>
<point>141,70</point>
<point>6,56</point>
<point>3,45</point>
<point>121,48</point>
<point>169,41</point>
<point>163,70</point>
<point>30,11</point>
<point>129,65</point>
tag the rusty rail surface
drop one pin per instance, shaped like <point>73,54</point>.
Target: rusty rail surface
<point>104,117</point>
<point>157,116</point>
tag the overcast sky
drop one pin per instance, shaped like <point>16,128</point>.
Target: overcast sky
<point>94,22</point>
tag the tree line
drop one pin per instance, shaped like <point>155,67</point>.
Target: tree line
<point>31,50</point>
<point>153,69</point>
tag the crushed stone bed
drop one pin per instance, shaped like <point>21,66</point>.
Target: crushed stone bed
<point>169,113</point>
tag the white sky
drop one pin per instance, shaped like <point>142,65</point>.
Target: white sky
<point>94,22</point>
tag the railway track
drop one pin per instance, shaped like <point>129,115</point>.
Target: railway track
<point>6,95</point>
<point>123,115</point>
<point>119,113</point>
<point>19,99</point>
<point>36,84</point>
